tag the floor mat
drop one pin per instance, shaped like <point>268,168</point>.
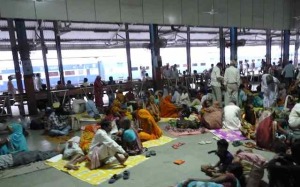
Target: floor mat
<point>97,176</point>
<point>229,135</point>
<point>183,132</point>
<point>161,141</point>
<point>21,170</point>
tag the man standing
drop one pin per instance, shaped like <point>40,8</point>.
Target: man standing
<point>288,72</point>
<point>269,86</point>
<point>232,82</point>
<point>216,80</point>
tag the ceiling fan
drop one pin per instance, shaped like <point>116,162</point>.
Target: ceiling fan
<point>212,11</point>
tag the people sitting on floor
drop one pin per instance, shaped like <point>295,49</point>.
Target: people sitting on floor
<point>85,82</point>
<point>232,116</point>
<point>153,108</point>
<point>131,142</point>
<point>197,102</point>
<point>176,96</point>
<point>55,126</point>
<point>281,95</point>
<point>129,96</point>
<point>104,150</point>
<point>69,85</point>
<point>91,108</point>
<point>15,141</point>
<point>211,115</point>
<point>149,130</point>
<point>242,95</point>
<point>121,98</point>
<point>167,108</point>
<point>233,177</point>
<point>73,153</point>
<point>294,122</point>
<point>225,159</point>
<point>184,97</point>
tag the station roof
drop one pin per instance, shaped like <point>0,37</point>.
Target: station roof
<point>76,35</point>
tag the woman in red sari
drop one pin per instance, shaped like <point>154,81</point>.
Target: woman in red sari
<point>98,91</point>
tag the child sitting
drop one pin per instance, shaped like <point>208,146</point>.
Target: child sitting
<point>225,159</point>
<point>74,153</point>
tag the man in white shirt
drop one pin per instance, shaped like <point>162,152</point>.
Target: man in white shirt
<point>184,97</point>
<point>176,97</point>
<point>269,86</point>
<point>215,83</point>
<point>103,148</point>
<point>38,82</point>
<point>294,117</point>
<point>288,72</point>
<point>232,116</point>
<point>232,82</point>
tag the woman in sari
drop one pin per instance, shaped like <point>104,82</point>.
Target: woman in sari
<point>167,108</point>
<point>265,132</point>
<point>98,91</point>
<point>117,111</point>
<point>15,142</point>
<point>131,142</point>
<point>149,128</point>
<point>153,108</point>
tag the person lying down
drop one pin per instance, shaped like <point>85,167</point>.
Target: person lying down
<point>26,157</point>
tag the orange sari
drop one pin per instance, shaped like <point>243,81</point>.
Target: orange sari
<point>167,108</point>
<point>150,129</point>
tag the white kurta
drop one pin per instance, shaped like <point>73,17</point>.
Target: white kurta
<point>232,117</point>
<point>270,95</point>
<point>107,147</point>
<point>294,117</point>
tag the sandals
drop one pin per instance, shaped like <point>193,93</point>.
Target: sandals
<point>150,153</point>
<point>114,178</point>
<point>177,145</point>
<point>126,175</point>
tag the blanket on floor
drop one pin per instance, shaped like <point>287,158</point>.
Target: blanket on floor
<point>229,135</point>
<point>183,132</point>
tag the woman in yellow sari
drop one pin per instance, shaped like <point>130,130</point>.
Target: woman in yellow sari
<point>167,108</point>
<point>149,128</point>
<point>116,110</point>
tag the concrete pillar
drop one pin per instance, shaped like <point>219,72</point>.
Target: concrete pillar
<point>222,47</point>
<point>58,50</point>
<point>286,46</point>
<point>233,43</point>
<point>268,47</point>
<point>24,50</point>
<point>128,54</point>
<point>188,50</point>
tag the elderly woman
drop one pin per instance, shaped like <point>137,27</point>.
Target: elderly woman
<point>149,130</point>
<point>153,108</point>
<point>98,91</point>
<point>15,142</point>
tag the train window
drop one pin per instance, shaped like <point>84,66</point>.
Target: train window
<point>80,72</point>
<point>184,65</point>
<point>194,64</point>
<point>53,74</point>
<point>134,68</point>
<point>147,67</point>
<point>69,73</point>
<point>202,64</point>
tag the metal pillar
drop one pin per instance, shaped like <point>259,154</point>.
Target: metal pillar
<point>188,50</point>
<point>222,47</point>
<point>128,54</point>
<point>268,47</point>
<point>233,43</point>
<point>58,49</point>
<point>44,52</point>
<point>286,46</point>
<point>296,49</point>
<point>14,50</point>
<point>155,55</point>
<point>24,50</point>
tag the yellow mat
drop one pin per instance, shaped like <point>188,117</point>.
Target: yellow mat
<point>97,176</point>
<point>165,120</point>
<point>161,141</point>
